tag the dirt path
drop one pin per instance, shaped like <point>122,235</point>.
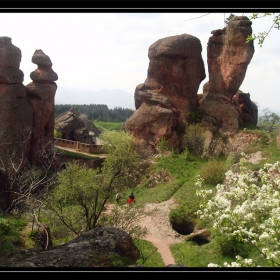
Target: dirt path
<point>160,231</point>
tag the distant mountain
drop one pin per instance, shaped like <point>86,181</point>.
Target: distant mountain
<point>110,97</point>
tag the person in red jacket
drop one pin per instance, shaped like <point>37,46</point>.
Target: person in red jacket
<point>131,199</point>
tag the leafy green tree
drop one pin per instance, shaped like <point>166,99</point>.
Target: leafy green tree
<point>262,35</point>
<point>269,122</point>
<point>81,193</point>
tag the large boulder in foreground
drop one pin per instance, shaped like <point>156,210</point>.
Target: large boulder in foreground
<point>169,92</point>
<point>99,247</point>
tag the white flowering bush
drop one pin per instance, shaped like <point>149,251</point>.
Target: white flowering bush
<point>247,210</point>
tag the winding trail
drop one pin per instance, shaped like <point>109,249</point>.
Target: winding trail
<point>160,231</point>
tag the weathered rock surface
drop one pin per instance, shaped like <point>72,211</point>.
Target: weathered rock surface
<point>169,92</point>
<point>228,56</point>
<point>249,110</point>
<point>16,116</point>
<point>100,246</point>
<point>76,126</point>
<point>41,94</point>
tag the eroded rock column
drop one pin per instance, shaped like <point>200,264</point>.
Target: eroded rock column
<point>228,56</point>
<point>15,110</point>
<point>16,121</point>
<point>41,94</point>
<point>169,92</point>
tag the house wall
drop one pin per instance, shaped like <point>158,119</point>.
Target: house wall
<point>78,146</point>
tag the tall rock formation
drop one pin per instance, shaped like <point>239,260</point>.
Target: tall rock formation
<point>15,110</point>
<point>228,56</point>
<point>41,94</point>
<point>16,120</point>
<point>169,92</point>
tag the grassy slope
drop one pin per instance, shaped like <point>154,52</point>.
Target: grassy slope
<point>181,187</point>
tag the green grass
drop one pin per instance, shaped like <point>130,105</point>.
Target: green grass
<point>180,186</point>
<point>10,232</point>
<point>107,126</point>
<point>149,255</point>
<point>192,255</point>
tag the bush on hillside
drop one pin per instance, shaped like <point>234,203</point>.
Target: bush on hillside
<point>194,138</point>
<point>213,172</point>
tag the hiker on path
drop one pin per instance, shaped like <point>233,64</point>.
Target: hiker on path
<point>131,198</point>
<point>118,196</point>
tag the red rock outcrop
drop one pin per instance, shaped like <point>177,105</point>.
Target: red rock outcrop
<point>15,110</point>
<point>169,92</point>
<point>41,94</point>
<point>16,120</point>
<point>249,110</point>
<point>228,56</point>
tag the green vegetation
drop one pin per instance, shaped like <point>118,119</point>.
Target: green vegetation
<point>263,34</point>
<point>213,172</point>
<point>269,122</point>
<point>10,232</point>
<point>81,193</point>
<point>149,255</point>
<point>194,138</point>
<point>108,126</point>
<point>96,112</point>
<point>176,178</point>
<point>162,145</point>
<point>57,134</point>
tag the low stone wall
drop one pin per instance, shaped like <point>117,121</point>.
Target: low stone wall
<point>78,146</point>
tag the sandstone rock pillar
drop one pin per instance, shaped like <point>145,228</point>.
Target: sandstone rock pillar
<point>16,120</point>
<point>169,92</point>
<point>228,56</point>
<point>41,94</point>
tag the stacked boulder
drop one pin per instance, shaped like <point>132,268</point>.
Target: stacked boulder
<point>168,98</point>
<point>163,101</point>
<point>41,94</point>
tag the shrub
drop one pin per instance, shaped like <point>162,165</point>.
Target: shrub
<point>231,247</point>
<point>57,134</point>
<point>194,138</point>
<point>213,172</point>
<point>196,116</point>
<point>162,145</point>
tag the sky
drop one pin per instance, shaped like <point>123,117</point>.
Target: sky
<point>96,51</point>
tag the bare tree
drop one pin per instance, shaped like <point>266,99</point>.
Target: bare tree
<point>23,183</point>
